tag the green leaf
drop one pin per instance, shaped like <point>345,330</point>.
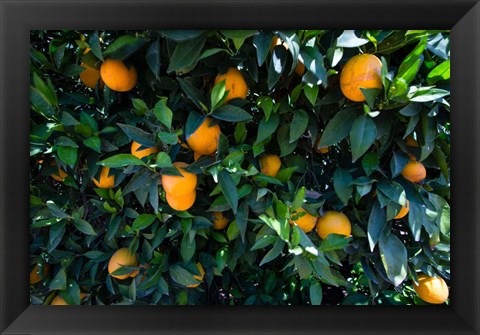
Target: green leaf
<point>71,294</point>
<point>298,200</point>
<point>394,257</point>
<point>58,55</point>
<point>425,94</point>
<point>182,276</point>
<point>311,92</point>
<point>262,42</point>
<point>416,218</point>
<point>276,66</point>
<point>124,46</point>
<point>242,219</point>
<point>163,160</point>
<point>313,61</point>
<point>370,95</point>
<point>143,221</point>
<point>218,95</point>
<point>94,44</point>
<point>66,142</point>
<point>193,93</point>
<point>153,58</point>
<point>283,135</point>
<point>68,155</point>
<point>121,160</point>
<point>163,113</point>
<point>348,39</point>
<point>40,103</point>
<point>370,162</point>
<point>274,252</point>
<point>59,282</point>
<point>299,124</point>
<point>376,223</point>
<point>228,189</point>
<point>316,293</point>
<point>397,163</point>
<point>342,180</point>
<point>393,191</point>
<point>94,143</point>
<point>84,227</point>
<point>263,242</point>
<point>187,247</point>
<point>181,35</point>
<point>231,113</point>
<point>362,135</point>
<point>137,135</point>
<point>45,89</point>
<point>239,33</point>
<point>334,242</point>
<point>338,127</point>
<point>186,53</point>
<point>440,73</point>
<point>267,128</point>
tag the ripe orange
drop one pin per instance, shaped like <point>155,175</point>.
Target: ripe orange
<point>90,76</point>
<point>300,68</point>
<point>414,171</point>
<point>306,222</point>
<point>60,175</point>
<point>333,223</point>
<point>35,274</point>
<point>204,141</point>
<point>200,278</point>
<point>178,186</point>
<point>143,152</point>
<point>410,142</point>
<point>117,76</point>
<point>403,212</point>
<point>181,202</point>
<point>234,83</point>
<point>219,221</point>
<point>59,301</point>
<point>360,71</point>
<point>105,181</point>
<point>433,290</point>
<point>270,165</point>
<point>122,257</point>
<point>322,150</point>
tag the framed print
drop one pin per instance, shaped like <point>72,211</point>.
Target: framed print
<point>225,167</point>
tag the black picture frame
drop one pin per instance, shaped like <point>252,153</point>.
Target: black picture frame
<point>17,17</point>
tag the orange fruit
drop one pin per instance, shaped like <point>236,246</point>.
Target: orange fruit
<point>276,41</point>
<point>59,301</point>
<point>178,186</point>
<point>360,71</point>
<point>300,68</point>
<point>414,171</point>
<point>181,202</point>
<point>410,142</point>
<point>219,221</point>
<point>36,276</point>
<point>234,83</point>
<point>196,156</point>
<point>270,165</point>
<point>90,76</point>
<point>117,76</point>
<point>333,223</point>
<point>306,222</point>
<point>60,175</point>
<point>122,257</point>
<point>143,152</point>
<point>204,141</point>
<point>200,278</point>
<point>403,212</point>
<point>433,290</point>
<point>322,150</point>
<point>105,181</point>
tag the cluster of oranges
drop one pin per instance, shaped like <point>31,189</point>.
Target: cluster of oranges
<point>361,71</point>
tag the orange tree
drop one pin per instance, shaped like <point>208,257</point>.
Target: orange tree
<point>240,167</point>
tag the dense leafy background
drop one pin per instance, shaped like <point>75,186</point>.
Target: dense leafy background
<point>259,258</point>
